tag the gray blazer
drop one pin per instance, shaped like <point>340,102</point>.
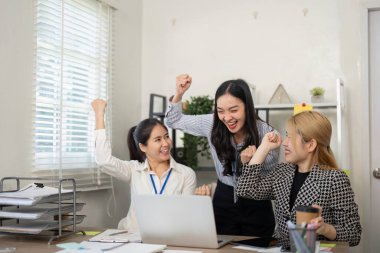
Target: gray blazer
<point>329,189</point>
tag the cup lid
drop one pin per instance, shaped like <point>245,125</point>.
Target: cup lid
<point>308,209</point>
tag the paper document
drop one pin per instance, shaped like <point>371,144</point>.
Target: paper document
<point>137,248</point>
<point>116,235</point>
<point>32,194</point>
<point>258,249</point>
<point>180,251</point>
<point>37,226</point>
<point>43,210</point>
<point>86,247</point>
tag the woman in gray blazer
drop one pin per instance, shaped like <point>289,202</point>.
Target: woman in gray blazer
<point>309,177</point>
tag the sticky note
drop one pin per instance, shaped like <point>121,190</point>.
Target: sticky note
<point>301,108</point>
<point>347,171</point>
<point>89,232</point>
<point>327,245</point>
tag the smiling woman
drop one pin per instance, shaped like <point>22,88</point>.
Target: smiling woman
<point>232,127</point>
<point>310,177</point>
<point>151,169</point>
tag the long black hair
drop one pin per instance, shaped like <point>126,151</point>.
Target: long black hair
<point>141,134</point>
<point>221,136</point>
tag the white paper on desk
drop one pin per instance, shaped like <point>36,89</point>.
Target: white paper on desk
<point>137,248</point>
<point>120,236</point>
<point>101,246</point>
<point>180,251</point>
<point>90,247</point>
<point>260,250</point>
<point>273,250</point>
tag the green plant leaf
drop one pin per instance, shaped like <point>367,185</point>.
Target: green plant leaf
<point>194,145</point>
<point>317,91</point>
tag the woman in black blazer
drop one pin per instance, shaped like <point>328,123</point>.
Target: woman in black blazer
<point>309,177</point>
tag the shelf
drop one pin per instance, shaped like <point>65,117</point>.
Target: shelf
<point>291,106</point>
<point>338,106</point>
<point>288,107</point>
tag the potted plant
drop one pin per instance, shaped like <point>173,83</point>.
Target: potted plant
<point>194,145</point>
<point>317,94</point>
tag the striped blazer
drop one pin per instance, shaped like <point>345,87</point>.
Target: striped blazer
<point>329,189</point>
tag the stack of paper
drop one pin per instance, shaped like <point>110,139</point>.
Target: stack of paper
<point>37,226</point>
<point>33,194</point>
<point>27,212</point>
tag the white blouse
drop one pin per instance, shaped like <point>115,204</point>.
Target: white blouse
<point>181,181</point>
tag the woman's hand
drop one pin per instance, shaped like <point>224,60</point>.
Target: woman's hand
<point>247,154</point>
<point>203,190</point>
<point>323,228</point>
<point>183,83</point>
<point>271,140</point>
<point>99,107</point>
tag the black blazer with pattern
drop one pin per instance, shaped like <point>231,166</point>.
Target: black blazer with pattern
<point>329,189</point>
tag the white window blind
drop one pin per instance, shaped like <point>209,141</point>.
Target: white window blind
<point>73,66</point>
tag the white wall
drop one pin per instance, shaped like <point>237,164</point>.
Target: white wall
<point>295,43</point>
<point>16,79</point>
<point>16,97</point>
<point>126,105</point>
<point>219,40</point>
<point>351,62</point>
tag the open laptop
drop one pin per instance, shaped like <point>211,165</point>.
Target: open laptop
<point>178,220</point>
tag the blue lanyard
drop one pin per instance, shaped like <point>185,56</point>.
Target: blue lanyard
<point>163,186</point>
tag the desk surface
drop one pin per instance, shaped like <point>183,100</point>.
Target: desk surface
<point>29,244</point>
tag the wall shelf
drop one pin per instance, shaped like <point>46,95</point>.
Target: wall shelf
<point>338,106</point>
<point>289,107</point>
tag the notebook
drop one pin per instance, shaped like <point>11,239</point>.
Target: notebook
<point>116,235</point>
<point>177,220</point>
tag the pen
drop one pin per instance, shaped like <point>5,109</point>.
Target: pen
<point>119,233</point>
<point>304,229</point>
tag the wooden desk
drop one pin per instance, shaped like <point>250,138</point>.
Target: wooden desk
<point>29,244</point>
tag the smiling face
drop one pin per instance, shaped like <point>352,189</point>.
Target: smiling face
<point>296,149</point>
<point>158,145</point>
<point>231,111</point>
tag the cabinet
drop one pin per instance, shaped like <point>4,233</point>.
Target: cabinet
<point>338,106</point>
<point>38,209</point>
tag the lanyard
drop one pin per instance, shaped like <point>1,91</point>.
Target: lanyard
<point>163,186</point>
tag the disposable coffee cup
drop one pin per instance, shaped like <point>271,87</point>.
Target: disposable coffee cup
<point>304,214</point>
